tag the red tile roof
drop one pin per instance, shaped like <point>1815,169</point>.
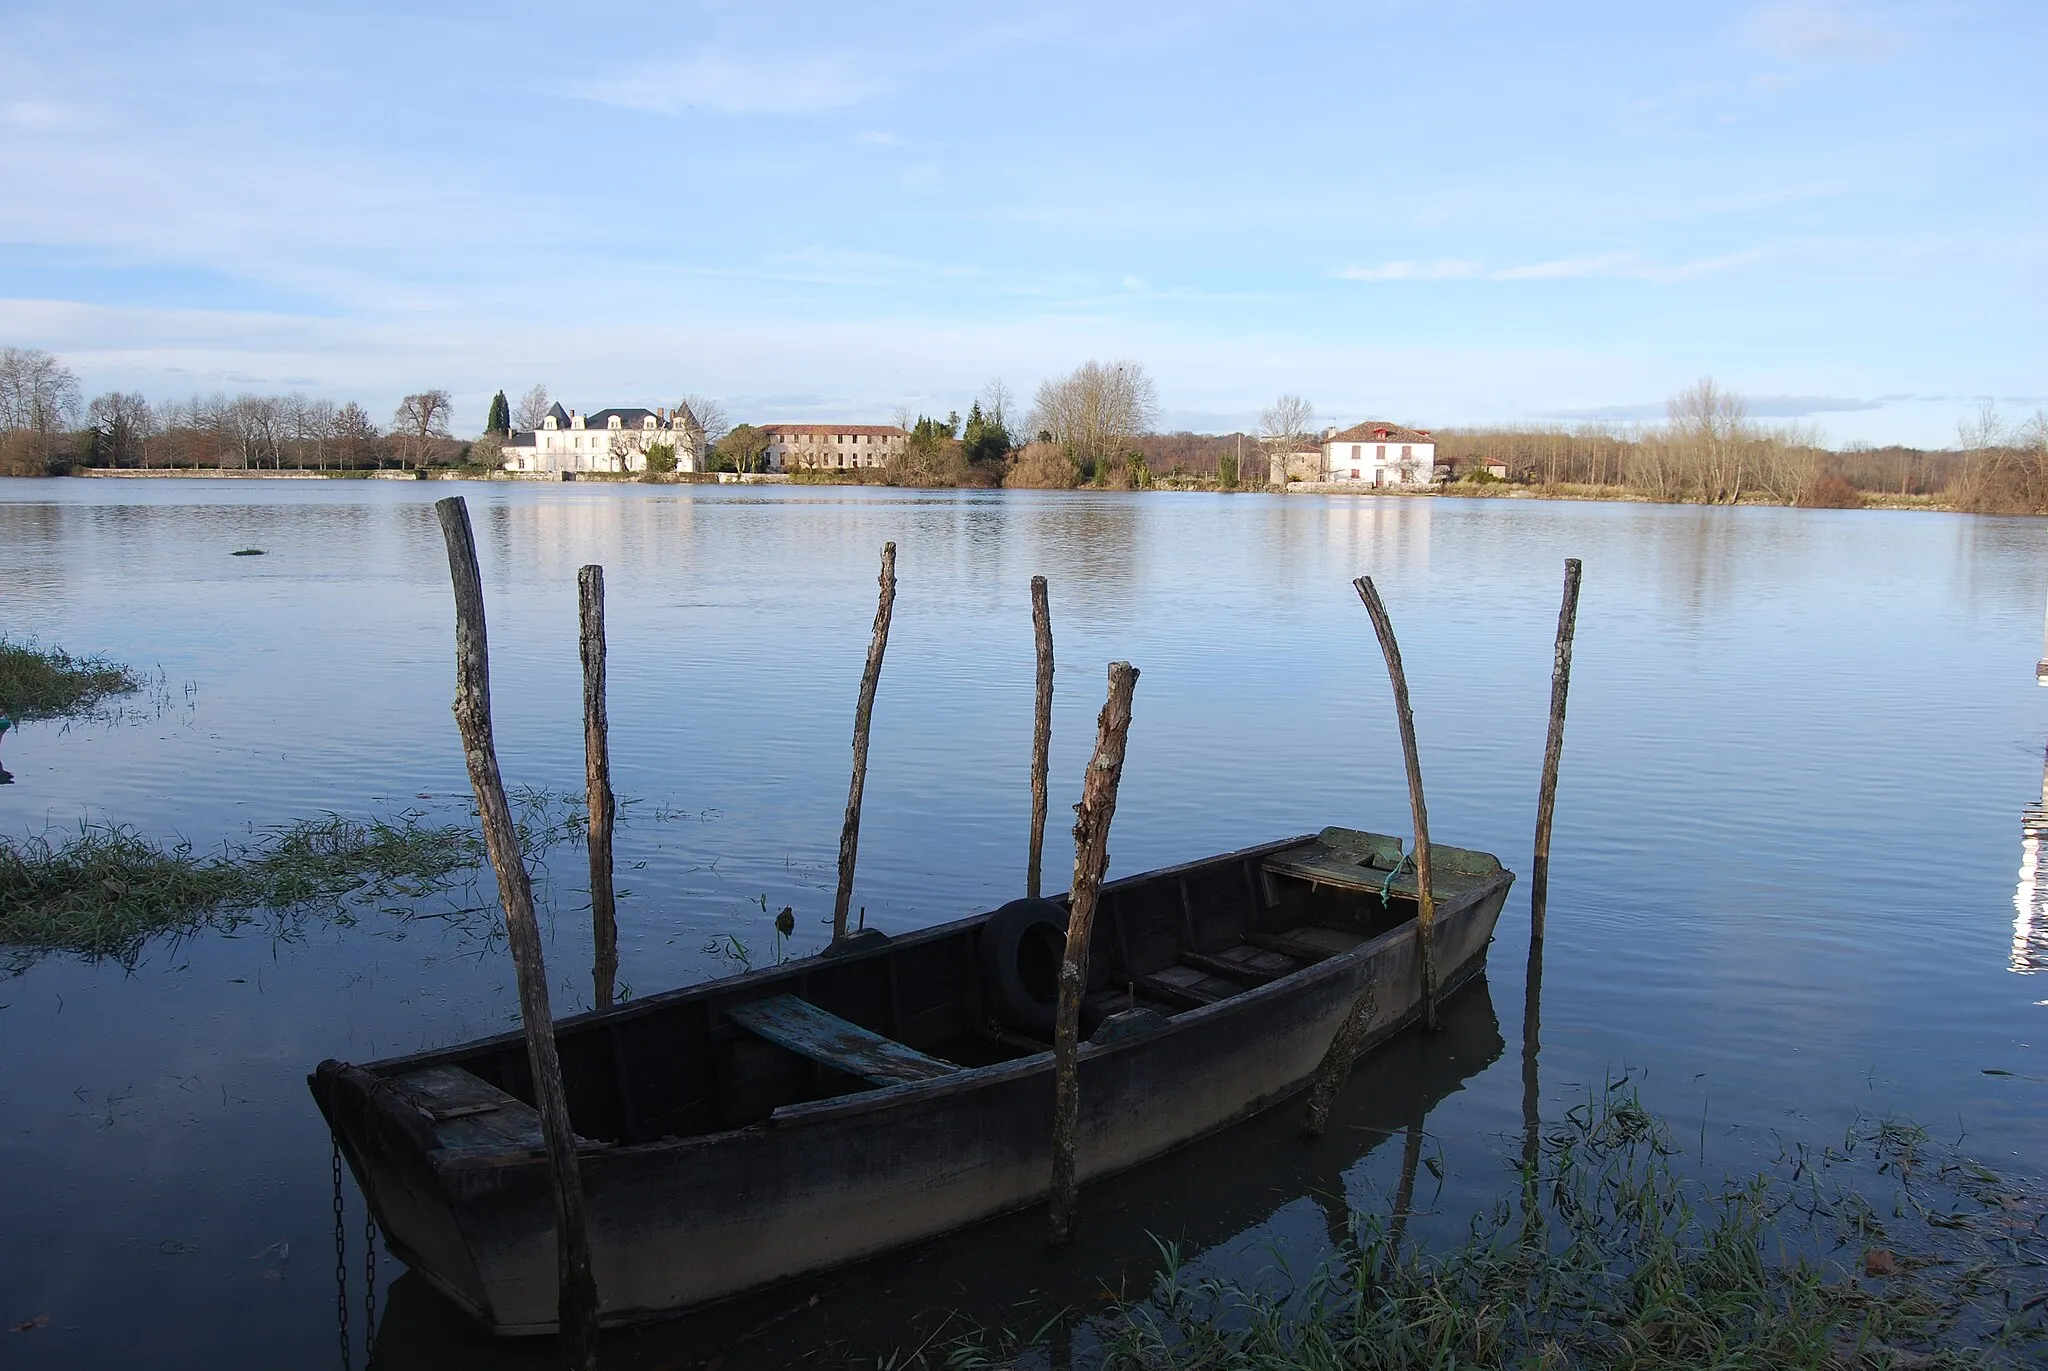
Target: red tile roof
<point>1375,431</point>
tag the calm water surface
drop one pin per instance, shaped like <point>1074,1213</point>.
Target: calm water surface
<point>1787,880</point>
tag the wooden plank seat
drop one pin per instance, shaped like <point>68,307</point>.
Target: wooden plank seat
<point>801,1027</point>
<point>1350,860</point>
<point>467,1111</point>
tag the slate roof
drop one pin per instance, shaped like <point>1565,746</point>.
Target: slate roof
<point>628,418</point>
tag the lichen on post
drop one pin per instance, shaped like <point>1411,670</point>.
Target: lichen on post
<point>863,717</point>
<point>1425,903</point>
<point>576,1305</point>
<point>597,767</point>
<point>1091,860</point>
<point>1041,732</point>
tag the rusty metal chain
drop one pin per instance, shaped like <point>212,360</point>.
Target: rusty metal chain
<point>369,1280</point>
<point>341,1265</point>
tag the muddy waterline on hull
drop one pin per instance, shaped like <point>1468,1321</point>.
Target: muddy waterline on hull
<point>1787,884</point>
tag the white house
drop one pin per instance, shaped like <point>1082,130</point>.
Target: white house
<point>1379,454</point>
<point>796,446</point>
<point>613,440</point>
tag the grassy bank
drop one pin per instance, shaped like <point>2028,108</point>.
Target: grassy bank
<point>42,683</point>
<point>1891,1250</point>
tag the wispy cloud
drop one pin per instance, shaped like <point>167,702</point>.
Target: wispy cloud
<point>1625,266</point>
<point>1818,30</point>
<point>730,82</point>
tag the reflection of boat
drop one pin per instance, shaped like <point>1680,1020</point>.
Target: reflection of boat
<point>748,1130</point>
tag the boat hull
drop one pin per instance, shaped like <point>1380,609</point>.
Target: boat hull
<point>682,1222</point>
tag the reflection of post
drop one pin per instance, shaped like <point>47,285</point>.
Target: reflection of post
<point>597,767</point>
<point>1091,860</point>
<point>1404,1193</point>
<point>863,717</point>
<point>1532,1100</point>
<point>576,1301</point>
<point>1041,732</point>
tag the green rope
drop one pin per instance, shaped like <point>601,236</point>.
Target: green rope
<point>1388,884</point>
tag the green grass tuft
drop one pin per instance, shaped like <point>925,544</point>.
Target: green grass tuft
<point>1888,1252</point>
<point>42,683</point>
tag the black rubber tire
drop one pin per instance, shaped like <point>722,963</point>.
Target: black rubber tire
<point>1021,947</point>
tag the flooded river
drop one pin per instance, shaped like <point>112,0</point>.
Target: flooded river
<point>1788,882</point>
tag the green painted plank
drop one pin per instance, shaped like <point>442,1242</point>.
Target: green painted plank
<point>809,1031</point>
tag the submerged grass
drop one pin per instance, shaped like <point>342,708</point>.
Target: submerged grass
<point>1891,1251</point>
<point>43,683</point>
<point>105,890</point>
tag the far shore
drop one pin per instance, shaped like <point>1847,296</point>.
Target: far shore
<point>1451,490</point>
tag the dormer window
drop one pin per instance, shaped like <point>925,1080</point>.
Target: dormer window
<point>614,422</point>
<point>550,422</point>
<point>648,422</point>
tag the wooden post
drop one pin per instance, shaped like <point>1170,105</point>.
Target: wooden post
<point>1532,1098</point>
<point>1091,859</point>
<point>1425,913</point>
<point>1553,749</point>
<point>576,1306</point>
<point>597,768</point>
<point>863,716</point>
<point>1041,732</point>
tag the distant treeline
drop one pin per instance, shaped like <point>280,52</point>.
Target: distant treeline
<point>1091,427</point>
<point>1708,450</point>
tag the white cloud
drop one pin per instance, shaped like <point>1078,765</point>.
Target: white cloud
<point>1818,30</point>
<point>739,83</point>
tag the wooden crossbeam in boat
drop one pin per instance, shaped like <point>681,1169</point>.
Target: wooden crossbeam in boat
<point>1243,971</point>
<point>809,1031</point>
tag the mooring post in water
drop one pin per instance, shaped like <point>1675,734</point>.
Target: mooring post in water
<point>1425,904</point>
<point>1553,749</point>
<point>576,1307</point>
<point>597,769</point>
<point>863,716</point>
<point>1041,732</point>
<point>1532,1119</point>
<point>1091,860</point>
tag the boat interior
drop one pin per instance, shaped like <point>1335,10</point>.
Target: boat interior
<point>878,1011</point>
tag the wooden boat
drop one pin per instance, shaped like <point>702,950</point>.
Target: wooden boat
<point>748,1130</point>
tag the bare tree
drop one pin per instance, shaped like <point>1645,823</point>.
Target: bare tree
<point>531,410</point>
<point>122,426</point>
<point>1709,434</point>
<point>418,421</point>
<point>997,402</point>
<point>354,434</point>
<point>701,421</point>
<point>1094,410</point>
<point>38,396</point>
<point>1285,427</point>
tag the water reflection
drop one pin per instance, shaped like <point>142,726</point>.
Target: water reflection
<point>1228,1201</point>
<point>2030,900</point>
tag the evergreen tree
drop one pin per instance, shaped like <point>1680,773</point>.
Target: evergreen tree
<point>985,438</point>
<point>500,421</point>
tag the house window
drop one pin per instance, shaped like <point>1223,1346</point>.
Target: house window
<point>1354,457</point>
<point>1381,455</point>
<point>1406,453</point>
<point>1354,476</point>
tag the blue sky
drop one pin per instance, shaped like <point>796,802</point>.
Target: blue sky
<point>1457,212</point>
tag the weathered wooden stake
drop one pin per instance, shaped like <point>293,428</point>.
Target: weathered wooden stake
<point>1553,749</point>
<point>576,1307</point>
<point>1532,1098</point>
<point>597,768</point>
<point>1041,732</point>
<point>1091,859</point>
<point>1425,912</point>
<point>863,716</point>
